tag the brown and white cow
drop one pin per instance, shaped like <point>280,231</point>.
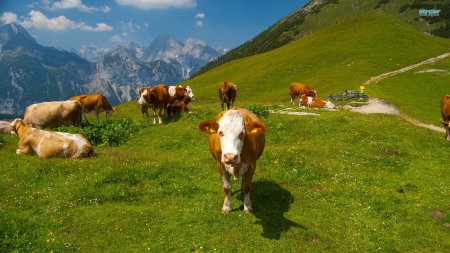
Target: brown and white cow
<point>297,89</point>
<point>445,112</point>
<point>188,91</point>
<point>227,94</point>
<point>316,103</point>
<point>236,140</point>
<point>47,144</point>
<point>157,98</point>
<point>94,103</point>
<point>49,114</point>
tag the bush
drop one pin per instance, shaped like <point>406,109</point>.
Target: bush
<point>105,131</point>
<point>260,111</point>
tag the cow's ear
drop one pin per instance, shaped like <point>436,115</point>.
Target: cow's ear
<point>208,126</point>
<point>254,128</point>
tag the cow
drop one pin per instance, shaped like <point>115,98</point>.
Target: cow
<point>316,103</point>
<point>188,90</point>
<point>47,144</point>
<point>445,112</point>
<point>94,102</point>
<point>227,94</point>
<point>56,113</point>
<point>4,127</point>
<point>157,97</point>
<point>297,89</point>
<point>236,140</point>
<point>179,106</point>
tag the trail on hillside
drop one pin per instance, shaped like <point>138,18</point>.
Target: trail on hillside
<point>376,79</point>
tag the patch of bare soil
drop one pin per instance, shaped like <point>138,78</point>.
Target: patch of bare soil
<point>376,105</point>
<point>373,105</point>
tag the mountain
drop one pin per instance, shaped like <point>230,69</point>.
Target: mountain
<point>119,75</point>
<point>187,57</point>
<point>91,53</point>
<point>319,14</point>
<point>31,73</point>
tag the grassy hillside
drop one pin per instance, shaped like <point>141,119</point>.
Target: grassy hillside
<point>336,182</point>
<point>339,57</point>
<point>319,14</point>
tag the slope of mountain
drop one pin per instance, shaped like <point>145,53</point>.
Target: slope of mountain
<point>340,57</point>
<point>31,73</point>
<point>91,53</point>
<point>318,14</point>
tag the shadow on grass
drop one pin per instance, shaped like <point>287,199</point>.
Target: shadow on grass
<point>270,201</point>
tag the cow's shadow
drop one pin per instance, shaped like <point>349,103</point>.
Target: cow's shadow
<point>270,201</point>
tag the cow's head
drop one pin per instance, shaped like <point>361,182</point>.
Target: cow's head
<point>232,131</point>
<point>15,125</point>
<point>329,104</point>
<point>109,113</point>
<point>144,97</point>
<point>189,92</point>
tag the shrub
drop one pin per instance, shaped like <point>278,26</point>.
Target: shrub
<point>260,111</point>
<point>105,131</point>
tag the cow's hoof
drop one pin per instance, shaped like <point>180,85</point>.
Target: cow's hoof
<point>248,211</point>
<point>226,211</point>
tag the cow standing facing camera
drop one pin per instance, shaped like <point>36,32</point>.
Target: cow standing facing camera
<point>236,140</point>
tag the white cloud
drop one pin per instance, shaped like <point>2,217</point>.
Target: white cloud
<point>101,27</point>
<point>8,17</point>
<point>69,4</point>
<point>199,23</point>
<point>158,4</point>
<point>200,15</point>
<point>40,21</point>
<point>116,38</point>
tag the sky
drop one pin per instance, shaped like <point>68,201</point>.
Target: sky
<point>108,23</point>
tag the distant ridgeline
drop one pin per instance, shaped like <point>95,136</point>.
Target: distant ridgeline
<point>290,27</point>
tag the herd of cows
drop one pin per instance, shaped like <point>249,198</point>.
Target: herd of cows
<point>236,138</point>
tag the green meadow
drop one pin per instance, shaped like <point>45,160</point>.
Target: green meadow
<point>338,181</point>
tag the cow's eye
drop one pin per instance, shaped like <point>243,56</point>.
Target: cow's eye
<point>241,136</point>
<point>221,134</point>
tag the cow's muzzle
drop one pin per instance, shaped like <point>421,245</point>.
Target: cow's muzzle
<point>230,158</point>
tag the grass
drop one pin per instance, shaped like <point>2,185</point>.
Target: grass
<point>338,182</point>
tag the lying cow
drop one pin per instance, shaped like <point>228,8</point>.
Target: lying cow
<point>236,140</point>
<point>227,94</point>
<point>188,91</point>
<point>4,127</point>
<point>48,144</point>
<point>157,98</point>
<point>316,103</point>
<point>94,103</point>
<point>49,114</point>
<point>445,112</point>
<point>298,89</point>
<point>179,106</point>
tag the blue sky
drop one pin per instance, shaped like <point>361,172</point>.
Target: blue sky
<point>108,23</point>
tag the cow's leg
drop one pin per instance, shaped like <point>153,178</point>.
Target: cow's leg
<point>226,208</point>
<point>159,115</point>
<point>292,97</point>
<point>246,187</point>
<point>446,132</point>
<point>154,115</point>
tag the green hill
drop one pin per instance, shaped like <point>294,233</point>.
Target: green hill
<point>342,56</point>
<point>319,14</point>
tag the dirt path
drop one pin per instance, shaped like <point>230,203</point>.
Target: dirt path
<point>379,106</point>
<point>376,79</point>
